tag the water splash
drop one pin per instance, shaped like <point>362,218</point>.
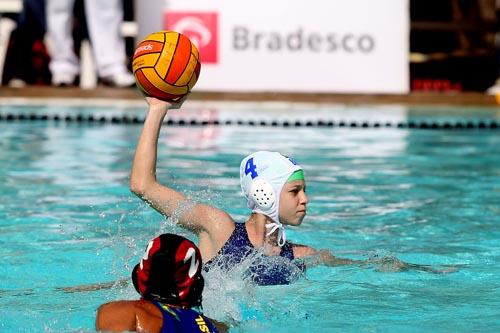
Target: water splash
<point>231,294</point>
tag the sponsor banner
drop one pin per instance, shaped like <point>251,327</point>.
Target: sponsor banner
<point>201,28</point>
<point>343,46</point>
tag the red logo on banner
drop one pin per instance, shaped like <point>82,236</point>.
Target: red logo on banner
<point>200,27</point>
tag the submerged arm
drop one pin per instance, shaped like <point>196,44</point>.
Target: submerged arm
<point>313,257</point>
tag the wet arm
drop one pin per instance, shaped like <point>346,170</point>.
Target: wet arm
<point>143,182</point>
<point>313,257</point>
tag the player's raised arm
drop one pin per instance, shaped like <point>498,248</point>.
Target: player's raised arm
<point>143,182</point>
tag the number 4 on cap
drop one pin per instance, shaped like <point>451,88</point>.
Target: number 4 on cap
<point>250,168</point>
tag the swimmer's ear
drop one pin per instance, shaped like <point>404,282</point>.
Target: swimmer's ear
<point>262,194</point>
<point>134,279</point>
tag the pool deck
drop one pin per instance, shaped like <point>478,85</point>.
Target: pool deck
<point>131,94</point>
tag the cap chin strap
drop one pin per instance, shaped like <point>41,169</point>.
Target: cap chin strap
<point>281,232</point>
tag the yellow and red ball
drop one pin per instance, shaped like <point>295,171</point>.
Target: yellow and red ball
<point>166,65</point>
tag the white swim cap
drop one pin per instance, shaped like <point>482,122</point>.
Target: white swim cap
<point>262,176</point>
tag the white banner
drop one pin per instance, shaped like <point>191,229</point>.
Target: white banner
<point>334,46</point>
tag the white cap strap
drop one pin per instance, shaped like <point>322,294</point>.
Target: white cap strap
<point>281,232</point>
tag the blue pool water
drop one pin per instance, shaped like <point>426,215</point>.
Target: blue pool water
<point>431,197</point>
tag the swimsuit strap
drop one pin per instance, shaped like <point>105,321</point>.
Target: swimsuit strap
<point>170,317</point>
<point>287,251</point>
<point>239,241</point>
<point>240,236</point>
<point>237,245</point>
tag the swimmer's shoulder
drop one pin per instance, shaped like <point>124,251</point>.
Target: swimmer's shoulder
<point>218,227</point>
<point>129,316</point>
<point>213,220</point>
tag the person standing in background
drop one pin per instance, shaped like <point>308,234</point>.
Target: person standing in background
<point>495,88</point>
<point>26,60</point>
<point>104,20</point>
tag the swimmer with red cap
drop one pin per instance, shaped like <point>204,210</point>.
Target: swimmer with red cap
<point>170,283</point>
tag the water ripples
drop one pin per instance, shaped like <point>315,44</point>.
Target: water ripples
<point>67,218</point>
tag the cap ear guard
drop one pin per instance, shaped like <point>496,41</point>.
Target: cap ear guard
<point>262,194</point>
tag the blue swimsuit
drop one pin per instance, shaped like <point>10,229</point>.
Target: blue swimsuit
<point>177,320</point>
<point>264,270</point>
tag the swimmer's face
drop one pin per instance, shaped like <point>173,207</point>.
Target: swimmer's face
<point>293,203</point>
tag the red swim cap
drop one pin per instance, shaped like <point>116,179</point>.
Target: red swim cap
<point>170,272</point>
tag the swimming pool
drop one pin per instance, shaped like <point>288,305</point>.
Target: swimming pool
<point>424,194</point>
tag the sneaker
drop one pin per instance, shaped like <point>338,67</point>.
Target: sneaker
<point>494,89</point>
<point>17,83</point>
<point>63,80</point>
<point>119,80</point>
